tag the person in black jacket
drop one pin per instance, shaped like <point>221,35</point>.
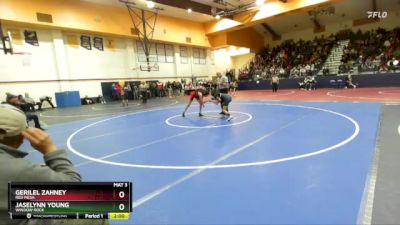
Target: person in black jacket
<point>14,101</point>
<point>14,165</point>
<point>45,99</point>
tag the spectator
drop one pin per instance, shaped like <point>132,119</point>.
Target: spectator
<point>29,106</point>
<point>181,87</point>
<point>135,91</point>
<point>392,64</point>
<point>128,91</point>
<point>45,99</point>
<point>14,101</point>
<point>366,46</point>
<point>312,83</point>
<point>386,44</point>
<point>14,167</point>
<point>101,100</point>
<point>223,83</point>
<point>349,82</point>
<point>118,89</point>
<point>152,89</point>
<point>169,89</point>
<point>87,101</point>
<point>309,83</point>
<point>30,100</point>
<point>233,86</point>
<point>160,89</point>
<point>125,95</point>
<point>143,88</point>
<point>113,92</point>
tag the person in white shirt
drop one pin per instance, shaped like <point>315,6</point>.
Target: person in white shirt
<point>275,83</point>
<point>223,85</point>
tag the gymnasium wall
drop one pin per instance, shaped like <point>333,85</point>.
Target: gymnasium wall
<point>58,64</point>
<point>241,60</point>
<point>103,19</point>
<point>223,60</point>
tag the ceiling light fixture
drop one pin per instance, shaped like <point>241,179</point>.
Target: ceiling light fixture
<point>150,4</point>
<point>189,10</point>
<point>260,2</point>
<point>217,17</point>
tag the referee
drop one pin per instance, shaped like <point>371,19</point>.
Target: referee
<point>274,83</point>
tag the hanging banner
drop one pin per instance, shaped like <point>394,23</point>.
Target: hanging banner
<point>72,41</point>
<point>31,37</point>
<point>85,42</point>
<point>98,43</point>
<point>110,44</point>
<point>16,36</point>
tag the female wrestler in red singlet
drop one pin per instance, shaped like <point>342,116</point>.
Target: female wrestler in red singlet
<point>198,95</point>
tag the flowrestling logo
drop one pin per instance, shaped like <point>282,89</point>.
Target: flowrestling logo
<point>377,14</point>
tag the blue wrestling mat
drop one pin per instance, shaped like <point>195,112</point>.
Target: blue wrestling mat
<point>274,163</point>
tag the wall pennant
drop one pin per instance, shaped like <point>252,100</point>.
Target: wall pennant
<point>110,45</point>
<point>31,37</point>
<point>98,43</point>
<point>85,42</point>
<point>72,41</point>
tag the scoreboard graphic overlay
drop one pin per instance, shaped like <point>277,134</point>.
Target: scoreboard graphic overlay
<point>80,200</point>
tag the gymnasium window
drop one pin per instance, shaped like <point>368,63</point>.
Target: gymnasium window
<point>169,53</point>
<point>153,53</point>
<point>162,53</point>
<point>199,56</point>
<point>184,54</point>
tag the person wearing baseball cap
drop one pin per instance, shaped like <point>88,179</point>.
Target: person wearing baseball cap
<point>13,165</point>
<point>12,122</point>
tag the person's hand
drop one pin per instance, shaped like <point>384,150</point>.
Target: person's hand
<point>215,101</point>
<point>39,140</point>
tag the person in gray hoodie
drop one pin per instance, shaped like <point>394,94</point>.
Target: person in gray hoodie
<point>14,167</point>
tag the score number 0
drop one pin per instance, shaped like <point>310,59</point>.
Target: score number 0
<point>121,206</point>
